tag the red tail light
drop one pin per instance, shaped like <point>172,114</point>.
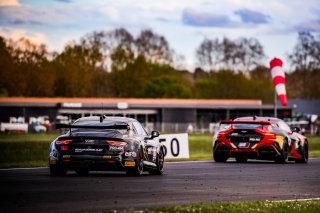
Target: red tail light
<point>116,143</point>
<point>224,133</point>
<point>267,135</point>
<point>63,142</point>
<point>64,148</point>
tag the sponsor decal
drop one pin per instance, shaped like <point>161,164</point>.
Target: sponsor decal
<point>53,162</point>
<point>116,148</point>
<point>130,154</point>
<point>107,156</point>
<point>129,163</point>
<point>244,145</point>
<point>254,139</point>
<point>234,134</point>
<point>89,141</point>
<point>66,156</point>
<point>87,150</point>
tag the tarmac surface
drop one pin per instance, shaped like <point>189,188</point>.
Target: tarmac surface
<point>34,190</point>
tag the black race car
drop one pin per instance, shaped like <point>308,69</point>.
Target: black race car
<point>106,143</point>
<point>264,138</point>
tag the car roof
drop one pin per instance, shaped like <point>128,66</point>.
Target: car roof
<point>258,118</point>
<point>105,119</point>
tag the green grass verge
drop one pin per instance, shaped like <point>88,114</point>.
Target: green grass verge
<point>31,150</point>
<point>239,207</point>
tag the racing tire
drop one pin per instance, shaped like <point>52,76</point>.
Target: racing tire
<point>304,154</point>
<point>159,162</point>
<point>219,157</point>
<point>57,170</point>
<point>284,157</point>
<point>241,159</point>
<point>82,171</point>
<point>137,170</point>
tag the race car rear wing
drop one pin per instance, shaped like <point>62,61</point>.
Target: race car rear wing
<point>71,126</point>
<point>245,122</point>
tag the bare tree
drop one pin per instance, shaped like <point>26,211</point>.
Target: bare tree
<point>209,54</point>
<point>306,53</point>
<point>155,48</point>
<point>240,54</point>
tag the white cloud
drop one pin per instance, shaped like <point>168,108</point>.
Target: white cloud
<point>9,3</point>
<point>110,12</point>
<point>16,34</point>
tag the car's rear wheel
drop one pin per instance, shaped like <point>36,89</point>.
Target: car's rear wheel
<point>137,170</point>
<point>159,163</point>
<point>219,156</point>
<point>284,157</point>
<point>57,170</point>
<point>304,152</point>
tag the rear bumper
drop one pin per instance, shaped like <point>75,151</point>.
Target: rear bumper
<point>93,162</point>
<point>268,151</point>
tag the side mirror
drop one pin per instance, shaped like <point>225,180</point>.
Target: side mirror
<point>296,129</point>
<point>154,134</point>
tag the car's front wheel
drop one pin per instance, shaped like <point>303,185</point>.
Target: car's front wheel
<point>304,152</point>
<point>159,163</point>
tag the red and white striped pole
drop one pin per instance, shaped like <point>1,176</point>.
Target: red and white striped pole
<point>279,81</point>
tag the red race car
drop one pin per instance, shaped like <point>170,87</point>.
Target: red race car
<point>262,138</point>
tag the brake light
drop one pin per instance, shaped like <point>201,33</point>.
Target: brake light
<point>64,148</point>
<point>268,135</point>
<point>224,133</point>
<point>116,143</point>
<point>63,142</point>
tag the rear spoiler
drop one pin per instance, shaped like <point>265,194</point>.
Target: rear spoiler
<point>70,126</point>
<point>245,122</point>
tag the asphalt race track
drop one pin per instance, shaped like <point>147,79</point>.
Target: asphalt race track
<point>34,190</point>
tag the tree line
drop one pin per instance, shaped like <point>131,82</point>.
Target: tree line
<point>117,64</point>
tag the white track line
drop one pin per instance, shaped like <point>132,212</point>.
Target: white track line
<point>293,200</point>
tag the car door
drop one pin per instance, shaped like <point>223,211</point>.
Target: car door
<point>150,144</point>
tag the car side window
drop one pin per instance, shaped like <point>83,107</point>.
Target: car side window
<point>284,126</point>
<point>140,130</point>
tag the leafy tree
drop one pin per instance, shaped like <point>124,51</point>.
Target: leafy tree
<point>165,87</point>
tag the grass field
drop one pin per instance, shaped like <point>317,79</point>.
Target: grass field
<point>32,149</point>
<point>241,207</point>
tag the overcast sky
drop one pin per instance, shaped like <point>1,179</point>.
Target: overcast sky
<point>184,23</point>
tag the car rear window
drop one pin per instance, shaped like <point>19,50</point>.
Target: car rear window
<point>121,131</point>
<point>247,126</point>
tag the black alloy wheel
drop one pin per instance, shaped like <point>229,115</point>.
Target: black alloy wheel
<point>159,162</point>
<point>304,154</point>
